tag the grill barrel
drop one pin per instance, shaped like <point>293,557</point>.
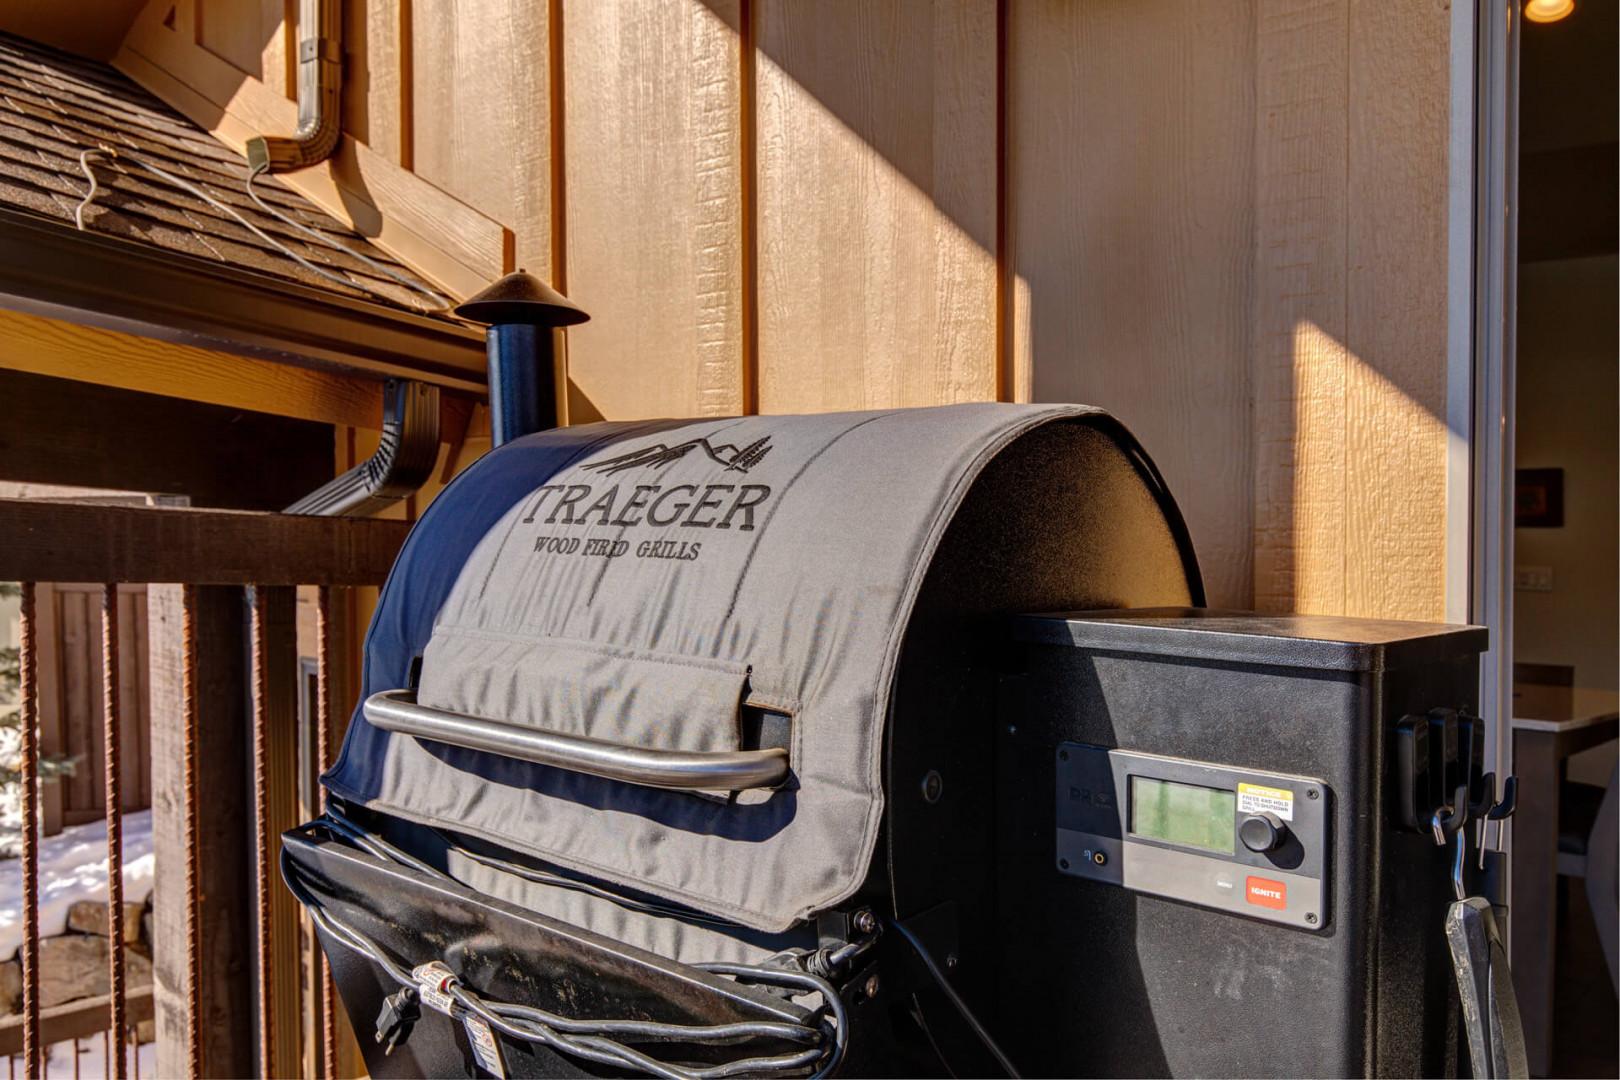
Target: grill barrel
<point>861,596</point>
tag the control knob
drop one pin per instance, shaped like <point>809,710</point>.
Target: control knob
<point>1262,832</point>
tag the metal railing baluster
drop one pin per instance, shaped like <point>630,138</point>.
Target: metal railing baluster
<point>33,1053</point>
<point>189,767</point>
<point>258,650</point>
<point>326,1061</point>
<point>113,737</point>
<point>201,552</point>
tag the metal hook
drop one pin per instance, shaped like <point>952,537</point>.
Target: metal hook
<point>1449,821</point>
<point>1486,789</point>
<point>1440,824</point>
<point>1508,803</point>
<point>1479,811</point>
<point>1500,811</point>
<point>1457,861</point>
<point>1449,818</point>
<point>1437,825</point>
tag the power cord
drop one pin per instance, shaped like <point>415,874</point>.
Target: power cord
<point>595,1040</point>
<point>107,154</point>
<point>961,1006</point>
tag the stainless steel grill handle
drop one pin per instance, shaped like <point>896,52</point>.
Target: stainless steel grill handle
<point>720,770</point>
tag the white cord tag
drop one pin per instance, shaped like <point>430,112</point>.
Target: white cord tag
<point>485,1047</point>
<point>431,981</point>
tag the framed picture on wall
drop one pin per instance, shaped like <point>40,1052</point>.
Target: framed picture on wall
<point>1538,498</point>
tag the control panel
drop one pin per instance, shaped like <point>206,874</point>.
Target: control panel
<point>1248,842</point>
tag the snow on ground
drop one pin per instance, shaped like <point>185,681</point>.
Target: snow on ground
<point>92,1061</point>
<point>73,867</point>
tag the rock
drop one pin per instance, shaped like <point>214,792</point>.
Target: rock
<point>10,987</point>
<point>90,917</point>
<point>71,967</point>
<point>137,970</point>
<point>74,966</point>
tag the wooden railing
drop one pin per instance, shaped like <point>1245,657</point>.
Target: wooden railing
<point>228,997</point>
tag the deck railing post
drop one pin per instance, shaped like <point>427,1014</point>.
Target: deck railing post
<point>203,993</point>
<point>204,822</point>
<point>260,683</point>
<point>273,659</point>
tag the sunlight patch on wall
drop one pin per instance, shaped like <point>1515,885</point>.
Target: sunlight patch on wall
<point>871,295</point>
<point>1361,470</point>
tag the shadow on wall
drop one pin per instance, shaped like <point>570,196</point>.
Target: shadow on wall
<point>1208,233</point>
<point>1199,222</point>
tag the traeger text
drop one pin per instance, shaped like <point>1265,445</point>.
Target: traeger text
<point>687,506</point>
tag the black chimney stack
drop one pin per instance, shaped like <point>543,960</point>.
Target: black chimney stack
<point>521,311</point>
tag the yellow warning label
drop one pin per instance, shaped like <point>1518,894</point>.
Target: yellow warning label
<point>1257,799</point>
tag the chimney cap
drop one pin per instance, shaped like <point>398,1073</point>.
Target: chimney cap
<point>521,297</point>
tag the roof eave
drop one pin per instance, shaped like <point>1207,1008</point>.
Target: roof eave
<point>49,269</point>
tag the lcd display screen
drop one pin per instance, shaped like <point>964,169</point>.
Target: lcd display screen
<point>1197,817</point>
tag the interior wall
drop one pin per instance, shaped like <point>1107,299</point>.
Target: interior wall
<point>1223,220</point>
<point>1568,403</point>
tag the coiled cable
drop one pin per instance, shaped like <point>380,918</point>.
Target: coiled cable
<point>599,1040</point>
<point>105,154</point>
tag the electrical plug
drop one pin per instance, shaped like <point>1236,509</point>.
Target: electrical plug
<point>400,1012</point>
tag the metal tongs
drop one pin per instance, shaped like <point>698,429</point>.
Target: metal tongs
<point>1478,954</point>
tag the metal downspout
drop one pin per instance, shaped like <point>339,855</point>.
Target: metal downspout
<point>320,88</point>
<point>403,462</point>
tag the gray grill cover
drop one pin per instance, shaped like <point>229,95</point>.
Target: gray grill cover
<point>661,576</point>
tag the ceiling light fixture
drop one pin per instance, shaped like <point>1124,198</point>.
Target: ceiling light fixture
<point>1545,11</point>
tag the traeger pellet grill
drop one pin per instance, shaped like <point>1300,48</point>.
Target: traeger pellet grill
<point>752,747</point>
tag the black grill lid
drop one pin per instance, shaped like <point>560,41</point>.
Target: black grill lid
<point>639,583</point>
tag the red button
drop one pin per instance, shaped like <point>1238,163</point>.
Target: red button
<point>1267,893</point>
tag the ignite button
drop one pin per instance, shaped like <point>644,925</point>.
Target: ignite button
<point>1266,893</point>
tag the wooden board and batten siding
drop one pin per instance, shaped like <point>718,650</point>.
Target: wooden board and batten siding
<point>69,669</point>
<point>1223,220</point>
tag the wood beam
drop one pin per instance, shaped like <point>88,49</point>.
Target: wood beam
<point>53,431</point>
<point>130,362</point>
<point>130,287</point>
<point>65,541</point>
<point>83,1019</point>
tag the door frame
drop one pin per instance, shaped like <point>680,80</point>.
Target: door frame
<point>1482,289</point>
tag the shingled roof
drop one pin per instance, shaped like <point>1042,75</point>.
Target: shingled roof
<point>54,106</point>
